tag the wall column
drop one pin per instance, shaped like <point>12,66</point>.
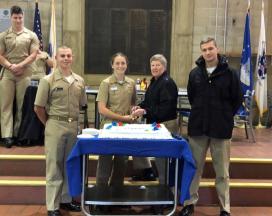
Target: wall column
<point>73,31</point>
<point>181,42</point>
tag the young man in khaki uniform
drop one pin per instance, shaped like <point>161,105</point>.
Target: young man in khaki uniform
<point>40,65</point>
<point>58,100</point>
<point>18,49</point>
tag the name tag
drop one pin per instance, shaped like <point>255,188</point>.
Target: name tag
<point>57,89</point>
<point>113,88</point>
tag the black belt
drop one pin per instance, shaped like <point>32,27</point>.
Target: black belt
<point>63,118</point>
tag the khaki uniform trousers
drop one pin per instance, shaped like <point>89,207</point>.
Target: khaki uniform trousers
<point>11,88</point>
<point>162,163</point>
<point>140,163</point>
<point>60,137</point>
<point>220,152</point>
<point>111,170</point>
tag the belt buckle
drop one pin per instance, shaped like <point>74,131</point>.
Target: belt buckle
<point>70,119</point>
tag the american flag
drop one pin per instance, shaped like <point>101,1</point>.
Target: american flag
<point>37,28</point>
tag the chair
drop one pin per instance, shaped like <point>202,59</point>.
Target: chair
<point>183,110</point>
<point>246,115</point>
<point>268,121</point>
<point>84,112</point>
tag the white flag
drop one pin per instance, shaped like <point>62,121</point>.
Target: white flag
<point>261,83</point>
<point>52,37</point>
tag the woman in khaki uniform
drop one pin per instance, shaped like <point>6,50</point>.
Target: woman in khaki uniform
<point>18,49</point>
<point>115,97</point>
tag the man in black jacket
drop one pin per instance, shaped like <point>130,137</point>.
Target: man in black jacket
<point>215,95</point>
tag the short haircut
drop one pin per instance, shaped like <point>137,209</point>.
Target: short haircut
<point>63,47</point>
<point>160,58</point>
<point>118,54</point>
<point>207,40</point>
<point>16,10</point>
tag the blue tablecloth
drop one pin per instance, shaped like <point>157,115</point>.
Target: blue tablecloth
<point>176,148</point>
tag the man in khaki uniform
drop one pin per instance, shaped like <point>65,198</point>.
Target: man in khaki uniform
<point>18,49</point>
<point>58,100</point>
<point>31,131</point>
<point>40,65</point>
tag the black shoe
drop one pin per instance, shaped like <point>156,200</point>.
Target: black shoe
<point>72,206</point>
<point>8,142</point>
<point>147,175</point>
<point>187,210</point>
<point>54,213</point>
<point>224,213</point>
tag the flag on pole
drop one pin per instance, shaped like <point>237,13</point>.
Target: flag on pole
<point>37,28</point>
<point>261,83</point>
<point>52,37</point>
<point>246,72</point>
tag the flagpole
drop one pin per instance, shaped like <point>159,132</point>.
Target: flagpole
<point>52,35</point>
<point>259,119</point>
<point>261,70</point>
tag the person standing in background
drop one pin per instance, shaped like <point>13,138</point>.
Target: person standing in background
<point>59,98</point>
<point>40,65</point>
<point>215,95</point>
<point>18,49</point>
<point>31,131</point>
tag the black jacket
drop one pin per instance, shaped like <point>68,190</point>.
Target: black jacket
<point>214,99</point>
<point>160,100</point>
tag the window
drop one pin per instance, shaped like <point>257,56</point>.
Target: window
<point>139,29</point>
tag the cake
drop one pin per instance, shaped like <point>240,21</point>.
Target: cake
<point>134,131</point>
<point>90,131</point>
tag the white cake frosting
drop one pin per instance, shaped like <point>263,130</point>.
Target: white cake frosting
<point>91,131</point>
<point>135,131</point>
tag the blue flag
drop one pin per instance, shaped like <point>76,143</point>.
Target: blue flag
<point>246,72</point>
<point>37,28</point>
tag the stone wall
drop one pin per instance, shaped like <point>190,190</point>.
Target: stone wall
<point>192,21</point>
<point>205,24</point>
<point>45,11</point>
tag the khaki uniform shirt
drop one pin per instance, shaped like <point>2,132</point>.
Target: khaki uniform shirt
<point>39,66</point>
<point>59,97</point>
<point>17,47</point>
<point>117,96</point>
